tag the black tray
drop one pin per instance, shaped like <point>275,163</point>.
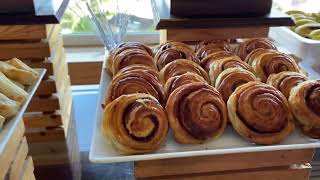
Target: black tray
<point>221,8</point>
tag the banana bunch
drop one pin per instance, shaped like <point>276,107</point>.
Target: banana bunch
<point>307,24</point>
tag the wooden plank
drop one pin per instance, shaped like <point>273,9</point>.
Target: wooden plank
<point>53,36</point>
<point>24,50</point>
<point>45,64</point>
<point>28,169</point>
<point>48,148</point>
<point>45,135</point>
<point>46,88</point>
<point>296,172</point>
<point>17,164</point>
<point>82,73</point>
<point>40,120</point>
<point>204,164</point>
<point>23,32</point>
<point>215,33</point>
<point>8,153</point>
<point>49,104</point>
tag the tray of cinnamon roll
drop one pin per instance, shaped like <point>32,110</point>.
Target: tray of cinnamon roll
<point>18,83</point>
<point>218,97</point>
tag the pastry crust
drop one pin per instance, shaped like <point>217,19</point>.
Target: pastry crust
<point>8,107</point>
<point>206,62</point>
<point>285,81</point>
<point>196,113</point>
<point>181,66</point>
<point>260,113</point>
<point>135,81</point>
<point>223,42</point>
<point>218,66</point>
<point>135,123</point>
<point>172,44</point>
<point>232,78</point>
<point>139,68</point>
<point>177,81</point>
<point>273,63</point>
<point>11,90</point>
<point>205,50</point>
<point>304,101</point>
<point>248,46</point>
<point>166,56</point>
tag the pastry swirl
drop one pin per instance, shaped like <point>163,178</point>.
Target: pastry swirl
<point>181,66</point>
<point>135,123</point>
<point>175,82</point>
<point>164,57</point>
<point>224,42</point>
<point>260,113</point>
<point>204,51</point>
<point>232,78</point>
<point>135,81</point>
<point>131,57</point>
<point>218,66</point>
<point>172,44</point>
<point>273,63</point>
<point>248,46</point>
<point>140,68</point>
<point>196,113</point>
<point>206,62</point>
<point>285,81</point>
<point>304,101</point>
<point>122,47</point>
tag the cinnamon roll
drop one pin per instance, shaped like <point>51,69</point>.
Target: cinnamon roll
<point>204,51</point>
<point>135,81</point>
<point>140,68</point>
<point>164,57</point>
<point>232,78</point>
<point>260,113</point>
<point>304,101</point>
<point>285,81</point>
<point>131,57</point>
<point>273,63</point>
<point>218,66</point>
<point>135,123</point>
<point>182,66</point>
<point>172,44</point>
<point>206,62</point>
<point>122,47</point>
<point>246,47</point>
<point>213,41</point>
<point>196,113</point>
<point>257,54</point>
<point>177,81</point>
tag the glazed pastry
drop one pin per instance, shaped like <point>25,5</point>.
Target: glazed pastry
<point>273,63</point>
<point>214,41</point>
<point>182,66</point>
<point>260,113</point>
<point>196,113</point>
<point>172,44</point>
<point>122,47</point>
<point>131,57</point>
<point>164,57</point>
<point>204,51</point>
<point>140,68</point>
<point>135,81</point>
<point>21,65</point>
<point>304,101</point>
<point>177,81</point>
<point>8,107</point>
<point>285,81</point>
<point>22,76</point>
<point>257,54</point>
<point>232,78</point>
<point>11,90</point>
<point>206,62</point>
<point>135,123</point>
<point>246,47</point>
<point>218,66</point>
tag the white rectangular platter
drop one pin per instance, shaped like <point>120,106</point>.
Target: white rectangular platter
<point>10,124</point>
<point>102,150</point>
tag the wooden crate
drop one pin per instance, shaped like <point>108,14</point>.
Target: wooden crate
<point>15,162</point>
<point>286,164</point>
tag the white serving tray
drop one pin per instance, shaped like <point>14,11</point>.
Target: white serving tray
<point>102,151</point>
<point>10,124</point>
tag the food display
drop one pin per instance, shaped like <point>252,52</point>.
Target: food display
<point>307,24</point>
<point>196,92</point>
<point>14,77</point>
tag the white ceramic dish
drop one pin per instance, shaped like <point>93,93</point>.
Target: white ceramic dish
<point>102,151</point>
<point>9,126</point>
